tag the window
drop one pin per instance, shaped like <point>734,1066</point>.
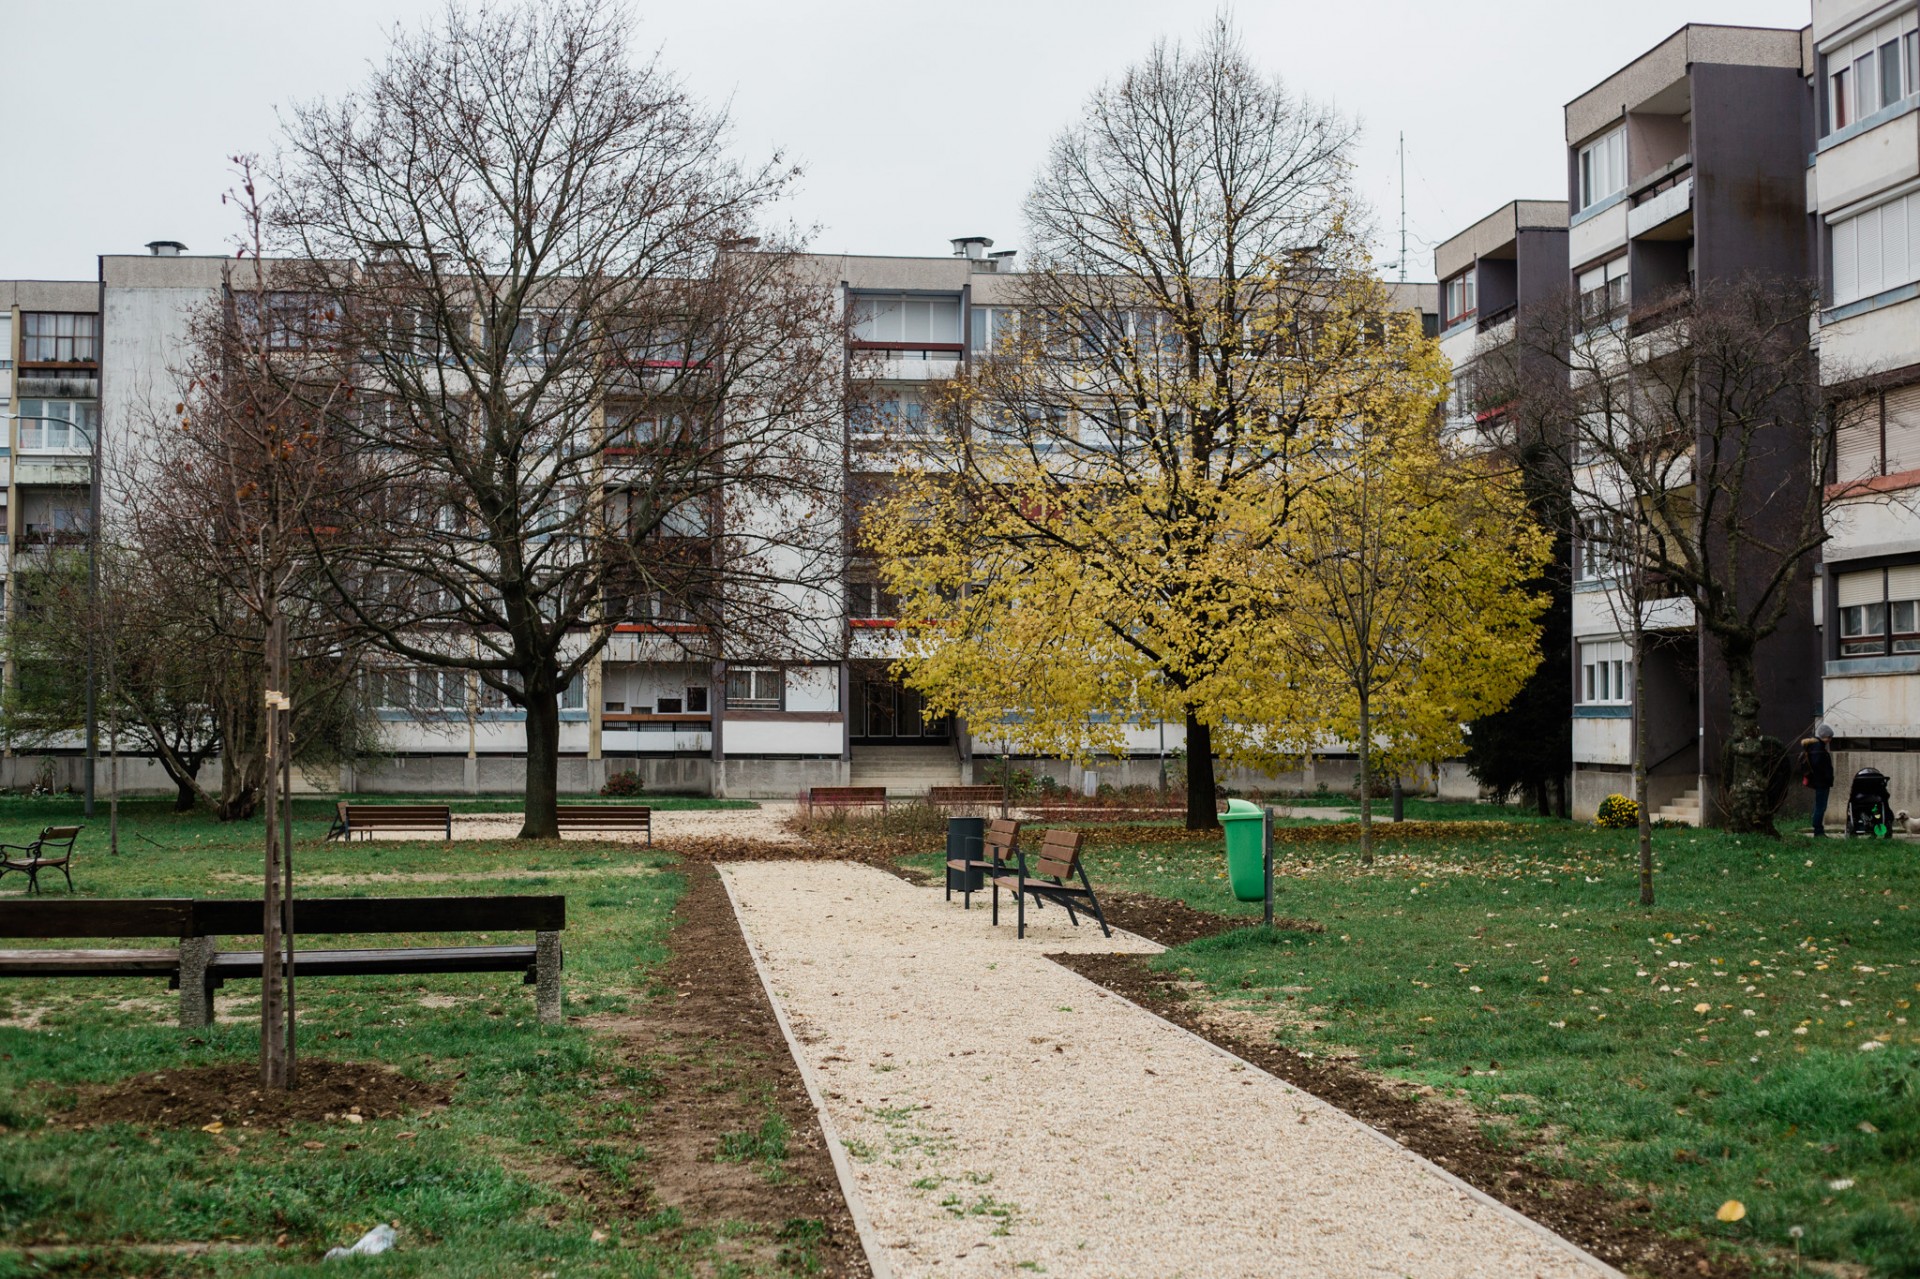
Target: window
<point>59,337</point>
<point>574,696</point>
<point>421,690</point>
<point>1872,71</point>
<point>293,321</point>
<point>6,343</point>
<point>991,328</point>
<point>632,428</point>
<point>57,426</point>
<point>1603,167</point>
<point>538,336</point>
<point>754,688</point>
<point>871,600</point>
<point>1604,293</point>
<point>1879,611</point>
<point>894,415</point>
<point>1460,301</point>
<point>1606,673</point>
<point>904,319</point>
<point>697,700</point>
<point>1876,250</point>
<point>1877,435</point>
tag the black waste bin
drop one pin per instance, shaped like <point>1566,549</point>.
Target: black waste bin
<point>966,837</point>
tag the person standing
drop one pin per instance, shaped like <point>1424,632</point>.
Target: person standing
<point>1818,774</point>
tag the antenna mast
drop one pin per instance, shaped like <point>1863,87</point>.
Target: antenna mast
<point>1403,207</point>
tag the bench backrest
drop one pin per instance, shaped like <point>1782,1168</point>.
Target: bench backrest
<point>372,814</point>
<point>1058,856</point>
<point>845,794</point>
<point>603,814</point>
<point>98,917</point>
<point>220,917</point>
<point>1002,834</point>
<point>963,794</point>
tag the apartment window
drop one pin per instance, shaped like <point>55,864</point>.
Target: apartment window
<point>538,336</point>
<point>1879,611</point>
<point>1603,168</point>
<point>1877,435</point>
<point>754,688</point>
<point>906,319</point>
<point>1606,673</point>
<point>58,426</point>
<point>1876,250</point>
<point>896,415</point>
<point>630,428</point>
<point>697,700</point>
<point>1873,71</point>
<point>6,341</point>
<point>1604,293</point>
<point>574,696</point>
<point>287,321</point>
<point>990,328</point>
<point>871,600</point>
<point>59,337</point>
<point>1599,555</point>
<point>1460,300</point>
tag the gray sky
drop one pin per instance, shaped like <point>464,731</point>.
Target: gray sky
<point>915,122</point>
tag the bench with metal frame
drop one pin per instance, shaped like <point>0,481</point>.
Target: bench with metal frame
<point>197,969</point>
<point>36,860</point>
<point>369,819</point>
<point>606,817</point>
<point>1045,880</point>
<point>844,797</point>
<point>997,847</point>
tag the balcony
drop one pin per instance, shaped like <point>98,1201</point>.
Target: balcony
<point>643,733</point>
<point>1662,207</point>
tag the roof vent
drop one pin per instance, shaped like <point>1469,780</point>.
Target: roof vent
<point>971,246</point>
<point>166,248</point>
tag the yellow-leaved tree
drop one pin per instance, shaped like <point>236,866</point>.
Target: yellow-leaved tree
<point>1409,569</point>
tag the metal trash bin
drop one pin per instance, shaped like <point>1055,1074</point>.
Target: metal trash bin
<point>1246,850</point>
<point>966,842</point>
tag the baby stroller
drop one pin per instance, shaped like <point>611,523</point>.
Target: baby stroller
<point>1869,805</point>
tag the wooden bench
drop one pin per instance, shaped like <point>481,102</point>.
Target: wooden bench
<point>967,797</point>
<point>607,817</point>
<point>1045,880</point>
<point>996,857</point>
<point>198,969</point>
<point>844,797</point>
<point>55,839</point>
<point>369,819</point>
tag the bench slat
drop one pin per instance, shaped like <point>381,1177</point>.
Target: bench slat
<point>322,915</point>
<point>389,961</point>
<point>97,917</point>
<point>89,963</point>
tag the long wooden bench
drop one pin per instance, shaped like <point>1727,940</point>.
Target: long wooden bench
<point>844,797</point>
<point>367,820</point>
<point>966,796</point>
<point>197,968</point>
<point>606,817</point>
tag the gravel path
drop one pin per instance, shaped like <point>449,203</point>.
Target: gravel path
<point>762,823</point>
<point>1005,1115</point>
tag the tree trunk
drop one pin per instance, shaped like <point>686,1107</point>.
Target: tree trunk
<point>543,761</point>
<point>186,795</point>
<point>1202,809</point>
<point>1562,808</point>
<point>1750,762</point>
<point>1639,727</point>
<point>1366,782</point>
<point>1540,796</point>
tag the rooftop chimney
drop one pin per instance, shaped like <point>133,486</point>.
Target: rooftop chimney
<point>973,247</point>
<point>166,248</point>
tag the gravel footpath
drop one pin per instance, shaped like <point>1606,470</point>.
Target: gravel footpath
<point>762,823</point>
<point>1005,1115</point>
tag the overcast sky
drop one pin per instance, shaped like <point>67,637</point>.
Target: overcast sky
<point>915,123</point>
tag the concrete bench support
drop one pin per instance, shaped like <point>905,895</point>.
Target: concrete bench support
<point>196,997</point>
<point>547,996</point>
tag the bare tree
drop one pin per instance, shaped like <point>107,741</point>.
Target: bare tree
<point>1693,433</point>
<point>581,394</point>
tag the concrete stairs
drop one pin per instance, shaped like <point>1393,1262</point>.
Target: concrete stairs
<point>1684,810</point>
<point>904,770</point>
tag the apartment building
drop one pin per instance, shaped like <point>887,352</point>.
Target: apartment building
<point>1495,276</point>
<point>100,355</point>
<point>1863,62</point>
<point>1685,167</point>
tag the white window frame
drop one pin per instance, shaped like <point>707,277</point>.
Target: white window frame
<point>1602,168</point>
<point>1460,299</point>
<point>766,688</point>
<point>1606,673</point>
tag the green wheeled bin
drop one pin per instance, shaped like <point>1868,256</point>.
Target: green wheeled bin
<point>1246,856</point>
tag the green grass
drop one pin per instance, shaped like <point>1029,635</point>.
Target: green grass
<point>491,1185</point>
<point>1526,947</point>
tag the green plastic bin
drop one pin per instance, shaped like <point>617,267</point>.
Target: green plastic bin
<point>1246,858</point>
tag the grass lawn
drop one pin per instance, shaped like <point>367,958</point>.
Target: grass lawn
<point>1750,1038</point>
<point>534,1168</point>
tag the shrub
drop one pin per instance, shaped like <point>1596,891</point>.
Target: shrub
<point>623,784</point>
<point>1617,812</point>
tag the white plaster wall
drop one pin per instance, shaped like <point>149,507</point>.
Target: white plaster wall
<point>1873,705</point>
<point>1862,166</point>
<point>1603,741</point>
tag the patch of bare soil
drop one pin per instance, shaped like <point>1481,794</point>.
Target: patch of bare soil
<point>1451,1136</point>
<point>719,1066</point>
<point>230,1093</point>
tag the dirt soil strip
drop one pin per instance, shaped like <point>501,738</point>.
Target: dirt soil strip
<point>1451,1135</point>
<point>717,1060</point>
<point>1003,1113</point>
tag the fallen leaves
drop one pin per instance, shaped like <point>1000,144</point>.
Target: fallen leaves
<point>1732,1210</point>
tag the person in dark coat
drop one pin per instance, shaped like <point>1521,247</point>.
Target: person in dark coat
<point>1818,774</point>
